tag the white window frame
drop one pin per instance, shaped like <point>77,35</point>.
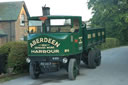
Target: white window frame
<point>22,18</point>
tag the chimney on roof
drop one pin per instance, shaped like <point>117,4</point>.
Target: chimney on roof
<point>46,10</point>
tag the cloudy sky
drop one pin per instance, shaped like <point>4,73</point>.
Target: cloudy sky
<point>58,7</point>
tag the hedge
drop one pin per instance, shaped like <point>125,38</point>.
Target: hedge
<point>110,43</point>
<point>17,57</point>
<point>3,62</point>
<point>16,53</point>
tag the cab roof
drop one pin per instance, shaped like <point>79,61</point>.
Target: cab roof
<point>54,17</point>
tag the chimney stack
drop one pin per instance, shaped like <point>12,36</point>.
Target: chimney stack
<point>46,11</point>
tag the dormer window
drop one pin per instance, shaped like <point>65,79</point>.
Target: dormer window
<point>22,20</point>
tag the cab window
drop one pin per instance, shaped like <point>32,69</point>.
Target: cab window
<point>58,25</point>
<point>62,25</point>
<point>76,25</point>
<point>35,26</point>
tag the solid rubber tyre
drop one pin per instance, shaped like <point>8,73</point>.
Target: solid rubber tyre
<point>98,57</point>
<point>85,60</point>
<point>92,59</point>
<point>73,69</point>
<point>32,71</point>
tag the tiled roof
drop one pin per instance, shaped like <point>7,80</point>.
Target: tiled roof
<point>10,10</point>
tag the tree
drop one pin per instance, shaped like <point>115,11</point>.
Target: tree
<point>112,15</point>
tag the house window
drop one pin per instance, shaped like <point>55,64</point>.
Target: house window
<point>22,19</point>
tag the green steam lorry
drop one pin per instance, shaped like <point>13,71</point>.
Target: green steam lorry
<point>56,42</point>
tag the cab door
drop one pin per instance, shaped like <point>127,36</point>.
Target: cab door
<point>77,35</point>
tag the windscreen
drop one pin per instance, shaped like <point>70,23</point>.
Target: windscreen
<point>35,26</point>
<point>58,25</point>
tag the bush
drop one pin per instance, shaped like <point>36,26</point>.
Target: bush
<point>4,51</point>
<point>3,60</point>
<point>110,43</point>
<point>16,53</point>
<point>17,57</point>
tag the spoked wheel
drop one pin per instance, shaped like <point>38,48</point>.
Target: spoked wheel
<point>73,69</point>
<point>34,73</point>
<point>98,57</point>
<point>92,59</point>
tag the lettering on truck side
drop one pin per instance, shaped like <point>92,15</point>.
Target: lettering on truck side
<point>44,51</point>
<point>46,40</point>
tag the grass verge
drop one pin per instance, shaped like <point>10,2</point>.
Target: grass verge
<point>8,77</point>
<point>110,43</point>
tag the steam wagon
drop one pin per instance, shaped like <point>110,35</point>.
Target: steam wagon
<point>56,42</point>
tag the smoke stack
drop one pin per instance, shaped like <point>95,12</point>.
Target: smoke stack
<point>46,11</point>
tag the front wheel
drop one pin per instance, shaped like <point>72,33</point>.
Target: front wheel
<point>33,71</point>
<point>73,69</point>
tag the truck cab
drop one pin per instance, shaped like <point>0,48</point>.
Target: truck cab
<point>57,36</point>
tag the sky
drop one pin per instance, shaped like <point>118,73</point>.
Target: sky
<point>58,7</point>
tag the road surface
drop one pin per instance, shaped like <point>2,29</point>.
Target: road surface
<point>113,71</point>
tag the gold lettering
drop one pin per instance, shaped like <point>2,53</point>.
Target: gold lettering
<point>57,44</point>
<point>53,42</point>
<point>48,51</point>
<point>49,41</point>
<point>32,51</point>
<point>57,51</point>
<point>40,51</point>
<point>37,51</point>
<point>41,40</point>
<point>37,41</point>
<point>34,42</point>
<point>45,39</point>
<point>45,51</point>
<point>31,45</point>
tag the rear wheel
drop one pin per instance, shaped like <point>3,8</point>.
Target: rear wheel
<point>92,59</point>
<point>34,73</point>
<point>73,69</point>
<point>85,58</point>
<point>98,57</point>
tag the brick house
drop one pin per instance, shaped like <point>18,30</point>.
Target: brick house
<point>12,27</point>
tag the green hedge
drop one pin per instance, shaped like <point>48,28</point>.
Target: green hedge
<point>110,43</point>
<point>4,52</point>
<point>17,57</point>
<point>5,49</point>
<point>16,54</point>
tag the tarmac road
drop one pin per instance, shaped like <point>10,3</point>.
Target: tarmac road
<point>113,71</point>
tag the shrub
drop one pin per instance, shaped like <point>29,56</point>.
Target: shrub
<point>110,43</point>
<point>17,57</point>
<point>3,60</point>
<point>14,57</point>
<point>4,51</point>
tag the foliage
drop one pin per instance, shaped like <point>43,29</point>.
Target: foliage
<point>110,43</point>
<point>112,15</point>
<point>17,56</point>
<point>16,53</point>
<point>4,51</point>
<point>3,59</point>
